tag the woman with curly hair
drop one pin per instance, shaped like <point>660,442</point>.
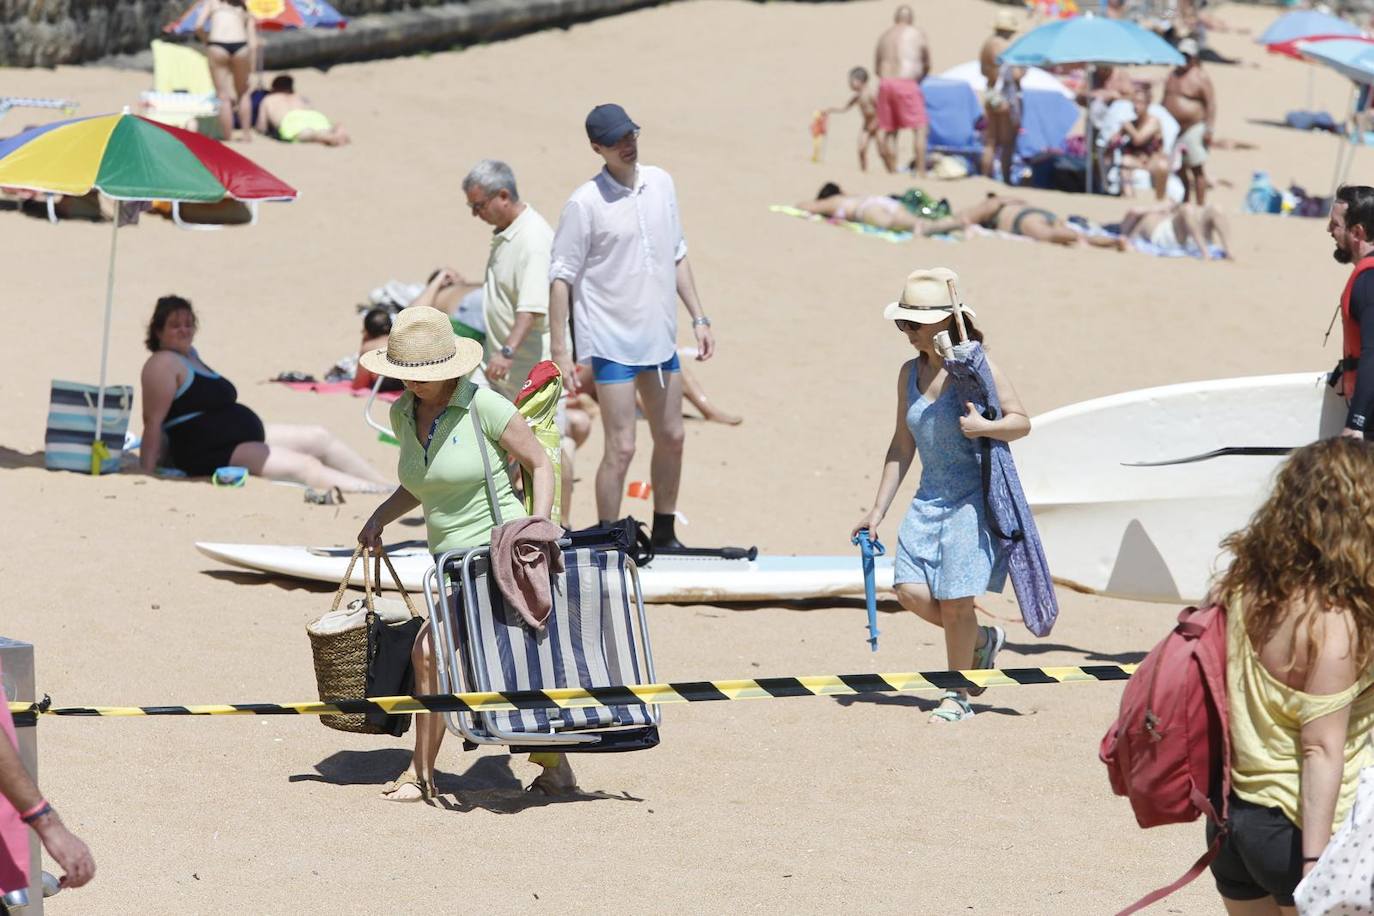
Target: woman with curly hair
<point>1300,642</point>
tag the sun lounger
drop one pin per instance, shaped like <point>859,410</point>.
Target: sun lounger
<point>16,101</point>
<point>183,93</point>
<point>596,636</point>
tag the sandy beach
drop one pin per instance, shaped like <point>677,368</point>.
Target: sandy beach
<point>795,806</point>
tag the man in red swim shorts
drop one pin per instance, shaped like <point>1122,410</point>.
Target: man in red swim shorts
<point>902,60</point>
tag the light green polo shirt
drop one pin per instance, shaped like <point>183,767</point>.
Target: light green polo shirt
<point>517,280</point>
<point>449,482</point>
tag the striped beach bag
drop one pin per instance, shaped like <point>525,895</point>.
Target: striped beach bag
<point>67,445</point>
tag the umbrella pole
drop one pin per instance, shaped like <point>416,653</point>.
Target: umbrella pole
<point>96,446</point>
<point>958,311</point>
<point>1088,131</point>
<point>1342,166</point>
<point>1311,77</point>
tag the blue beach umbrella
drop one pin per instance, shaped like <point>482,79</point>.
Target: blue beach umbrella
<point>1355,61</point>
<point>1305,24</point>
<point>1092,41</point>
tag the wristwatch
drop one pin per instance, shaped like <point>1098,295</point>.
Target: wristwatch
<point>702,322</point>
<point>506,351</point>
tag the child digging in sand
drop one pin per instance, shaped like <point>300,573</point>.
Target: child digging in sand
<point>867,100</point>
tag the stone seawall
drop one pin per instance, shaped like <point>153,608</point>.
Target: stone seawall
<point>45,33</point>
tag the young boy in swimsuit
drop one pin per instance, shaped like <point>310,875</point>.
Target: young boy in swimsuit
<point>867,100</point>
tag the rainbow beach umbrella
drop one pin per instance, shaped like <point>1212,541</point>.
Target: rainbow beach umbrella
<point>131,159</point>
<point>273,16</point>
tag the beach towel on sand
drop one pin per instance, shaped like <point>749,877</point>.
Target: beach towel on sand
<point>342,387</point>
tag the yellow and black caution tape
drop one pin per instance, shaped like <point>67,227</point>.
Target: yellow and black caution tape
<point>764,688</point>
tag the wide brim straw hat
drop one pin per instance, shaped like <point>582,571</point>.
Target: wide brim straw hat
<point>1006,21</point>
<point>423,348</point>
<point>926,297</point>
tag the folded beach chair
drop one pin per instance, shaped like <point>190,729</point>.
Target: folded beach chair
<point>183,93</point>
<point>596,636</point>
<point>1046,119</point>
<point>954,112</point>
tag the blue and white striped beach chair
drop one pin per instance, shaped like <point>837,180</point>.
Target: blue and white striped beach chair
<point>596,636</point>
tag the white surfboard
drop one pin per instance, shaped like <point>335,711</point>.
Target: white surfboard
<point>1154,533</point>
<point>668,579</point>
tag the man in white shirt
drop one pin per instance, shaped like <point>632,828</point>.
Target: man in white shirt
<point>515,291</point>
<point>619,264</point>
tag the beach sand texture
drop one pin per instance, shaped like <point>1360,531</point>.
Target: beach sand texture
<point>797,806</point>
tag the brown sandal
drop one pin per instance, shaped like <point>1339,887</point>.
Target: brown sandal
<point>408,778</point>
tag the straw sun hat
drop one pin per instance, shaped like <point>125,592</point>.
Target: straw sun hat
<point>1006,21</point>
<point>926,298</point>
<point>423,348</point>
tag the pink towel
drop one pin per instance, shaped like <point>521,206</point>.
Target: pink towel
<point>524,554</point>
<point>14,835</point>
<point>344,387</point>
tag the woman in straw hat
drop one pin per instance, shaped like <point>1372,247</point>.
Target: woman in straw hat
<point>441,470</point>
<point>946,555</point>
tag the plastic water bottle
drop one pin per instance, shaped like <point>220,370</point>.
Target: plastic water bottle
<point>1262,195</point>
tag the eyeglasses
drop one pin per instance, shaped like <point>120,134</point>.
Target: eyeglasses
<point>631,137</point>
<point>904,325</point>
<point>480,205</point>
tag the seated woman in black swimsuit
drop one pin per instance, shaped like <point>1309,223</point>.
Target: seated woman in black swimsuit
<point>207,428</point>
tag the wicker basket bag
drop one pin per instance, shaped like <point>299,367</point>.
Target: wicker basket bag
<point>340,651</point>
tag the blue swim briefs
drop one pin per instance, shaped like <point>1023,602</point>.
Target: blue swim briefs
<point>607,372</point>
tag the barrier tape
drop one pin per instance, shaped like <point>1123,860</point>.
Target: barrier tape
<point>766,688</point>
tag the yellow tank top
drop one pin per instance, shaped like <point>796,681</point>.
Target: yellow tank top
<point>1266,722</point>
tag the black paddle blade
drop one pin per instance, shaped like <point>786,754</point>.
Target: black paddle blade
<point>1250,450</point>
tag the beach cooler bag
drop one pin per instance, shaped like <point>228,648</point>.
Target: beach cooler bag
<point>538,404</point>
<point>1169,750</point>
<point>70,436</point>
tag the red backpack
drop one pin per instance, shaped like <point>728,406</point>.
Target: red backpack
<point>1169,750</point>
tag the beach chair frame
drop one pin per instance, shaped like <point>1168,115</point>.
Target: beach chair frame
<point>462,664</point>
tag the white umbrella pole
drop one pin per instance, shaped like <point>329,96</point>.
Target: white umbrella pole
<point>1342,167</point>
<point>1088,131</point>
<point>105,347</point>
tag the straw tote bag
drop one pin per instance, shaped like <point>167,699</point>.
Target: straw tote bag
<point>342,648</point>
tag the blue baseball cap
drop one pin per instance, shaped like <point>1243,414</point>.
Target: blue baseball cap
<point>608,124</point>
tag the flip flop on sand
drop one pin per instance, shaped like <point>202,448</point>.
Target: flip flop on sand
<point>331,497</point>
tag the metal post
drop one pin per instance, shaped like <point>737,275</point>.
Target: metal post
<point>16,660</point>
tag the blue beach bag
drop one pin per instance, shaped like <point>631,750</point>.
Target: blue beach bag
<point>68,442</point>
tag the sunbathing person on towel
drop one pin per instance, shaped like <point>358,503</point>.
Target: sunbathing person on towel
<point>878,210</point>
<point>1010,214</point>
<point>292,118</point>
<point>1175,228</point>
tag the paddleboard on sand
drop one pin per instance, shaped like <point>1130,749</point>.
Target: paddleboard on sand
<point>668,579</point>
<point>1153,531</point>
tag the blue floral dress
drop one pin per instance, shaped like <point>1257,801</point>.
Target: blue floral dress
<point>944,540</point>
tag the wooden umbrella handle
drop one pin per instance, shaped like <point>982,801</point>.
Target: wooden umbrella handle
<point>958,311</point>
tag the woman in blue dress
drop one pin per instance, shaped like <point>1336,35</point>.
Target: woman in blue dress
<point>946,555</point>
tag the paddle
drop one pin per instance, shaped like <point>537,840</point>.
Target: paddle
<point>868,549</point>
<point>1250,450</point>
<point>719,553</point>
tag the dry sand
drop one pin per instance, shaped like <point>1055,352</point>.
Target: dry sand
<point>783,807</point>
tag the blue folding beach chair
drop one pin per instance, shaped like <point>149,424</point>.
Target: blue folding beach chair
<point>597,635</point>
